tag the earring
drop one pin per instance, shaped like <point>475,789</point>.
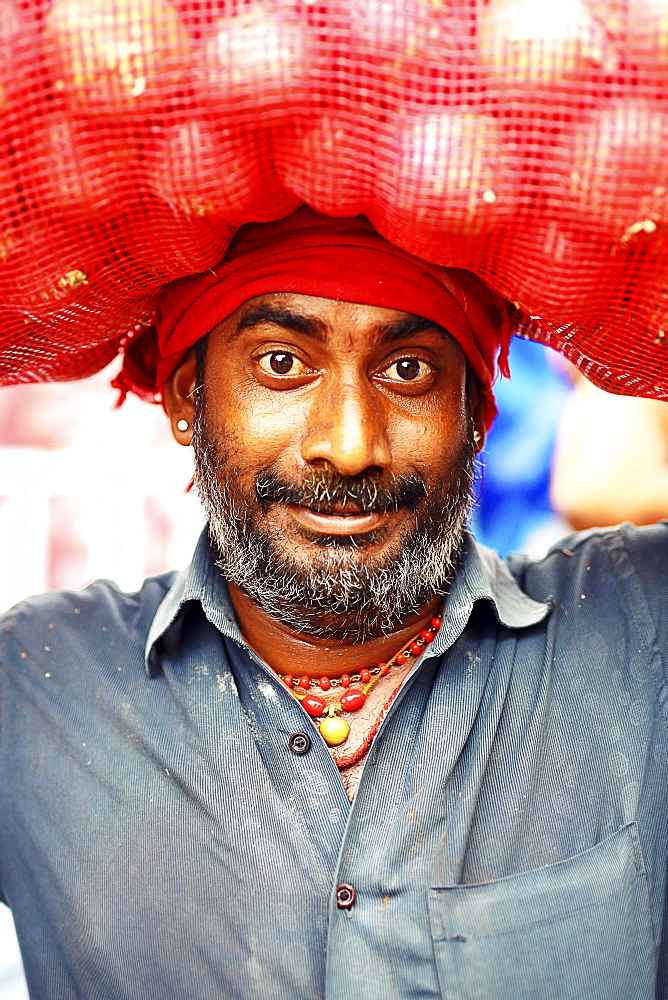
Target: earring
<point>182,425</point>
<point>476,437</point>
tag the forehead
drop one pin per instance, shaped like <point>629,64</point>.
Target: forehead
<point>328,321</point>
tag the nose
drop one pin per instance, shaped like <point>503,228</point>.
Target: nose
<point>347,429</point>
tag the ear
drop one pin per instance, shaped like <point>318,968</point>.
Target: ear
<point>178,397</point>
<point>476,402</point>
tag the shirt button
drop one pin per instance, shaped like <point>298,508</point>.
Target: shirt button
<point>299,743</point>
<point>345,897</point>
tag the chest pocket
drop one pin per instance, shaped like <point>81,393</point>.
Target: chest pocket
<point>577,929</point>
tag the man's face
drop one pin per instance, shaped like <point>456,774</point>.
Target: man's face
<point>333,450</point>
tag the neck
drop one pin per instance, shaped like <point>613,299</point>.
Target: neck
<point>287,651</point>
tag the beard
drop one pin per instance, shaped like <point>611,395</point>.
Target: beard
<point>338,588</point>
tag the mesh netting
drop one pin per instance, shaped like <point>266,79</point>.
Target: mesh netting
<point>519,139</point>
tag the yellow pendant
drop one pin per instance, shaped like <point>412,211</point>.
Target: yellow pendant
<point>334,730</point>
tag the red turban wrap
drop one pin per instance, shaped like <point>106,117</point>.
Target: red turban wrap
<point>312,254</point>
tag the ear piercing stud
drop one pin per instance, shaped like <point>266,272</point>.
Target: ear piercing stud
<point>182,425</point>
<point>476,437</point>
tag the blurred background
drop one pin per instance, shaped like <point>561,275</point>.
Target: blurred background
<point>89,491</point>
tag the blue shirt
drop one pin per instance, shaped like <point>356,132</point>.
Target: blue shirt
<point>159,838</point>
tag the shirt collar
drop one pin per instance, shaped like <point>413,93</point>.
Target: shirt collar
<point>203,583</point>
<point>482,576</point>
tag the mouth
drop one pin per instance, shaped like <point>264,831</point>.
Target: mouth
<point>337,519</point>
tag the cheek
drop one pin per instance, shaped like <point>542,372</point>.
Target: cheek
<point>262,427</point>
<point>433,437</point>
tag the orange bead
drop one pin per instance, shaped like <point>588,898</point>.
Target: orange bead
<point>345,680</point>
<point>365,676</point>
<point>288,679</point>
<point>305,682</point>
<point>352,700</point>
<point>325,683</point>
<point>314,705</point>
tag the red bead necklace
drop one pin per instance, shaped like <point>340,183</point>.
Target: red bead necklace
<point>335,730</point>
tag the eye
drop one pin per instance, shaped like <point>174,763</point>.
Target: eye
<point>281,363</point>
<point>408,370</point>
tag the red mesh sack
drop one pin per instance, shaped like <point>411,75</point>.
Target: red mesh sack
<point>520,141</point>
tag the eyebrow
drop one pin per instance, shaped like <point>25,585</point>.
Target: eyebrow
<point>310,326</point>
<point>404,328</point>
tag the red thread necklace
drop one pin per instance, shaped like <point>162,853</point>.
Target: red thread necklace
<point>334,729</point>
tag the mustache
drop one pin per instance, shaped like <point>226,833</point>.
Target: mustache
<point>322,489</point>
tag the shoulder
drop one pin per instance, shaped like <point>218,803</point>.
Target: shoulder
<point>76,618</point>
<point>619,548</point>
<point>624,568</point>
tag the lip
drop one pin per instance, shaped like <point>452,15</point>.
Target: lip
<point>336,524</point>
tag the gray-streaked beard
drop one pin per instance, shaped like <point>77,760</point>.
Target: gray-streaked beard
<point>341,591</point>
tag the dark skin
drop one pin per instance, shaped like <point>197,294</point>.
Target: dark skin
<point>310,382</point>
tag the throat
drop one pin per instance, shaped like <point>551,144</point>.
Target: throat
<point>290,651</point>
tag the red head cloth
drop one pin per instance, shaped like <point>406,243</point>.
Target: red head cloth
<point>312,254</point>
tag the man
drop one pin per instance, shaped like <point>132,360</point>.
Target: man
<point>173,817</point>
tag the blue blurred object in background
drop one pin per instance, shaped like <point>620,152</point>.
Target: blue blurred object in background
<point>513,513</point>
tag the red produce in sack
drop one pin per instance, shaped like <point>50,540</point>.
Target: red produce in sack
<point>116,56</point>
<point>52,348</point>
<point>404,33</point>
<point>42,267</point>
<point>329,162</point>
<point>204,170</point>
<point>443,173</point>
<point>18,68</point>
<point>640,28</point>
<point>198,15</point>
<point>151,244</point>
<point>618,176</point>
<point>556,271</point>
<point>9,203</point>
<point>255,61</point>
<point>534,46</point>
<point>77,168</point>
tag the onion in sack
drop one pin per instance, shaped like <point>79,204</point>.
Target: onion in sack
<point>618,176</point>
<point>329,162</point>
<point>445,172</point>
<point>201,169</point>
<point>256,60</point>
<point>530,44</point>
<point>640,28</point>
<point>17,52</point>
<point>77,168</point>
<point>116,56</point>
<point>556,270</point>
<point>408,32</point>
<point>646,35</point>
<point>433,41</point>
<point>199,14</point>
<point>43,266</point>
<point>152,243</point>
<point>9,204</point>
